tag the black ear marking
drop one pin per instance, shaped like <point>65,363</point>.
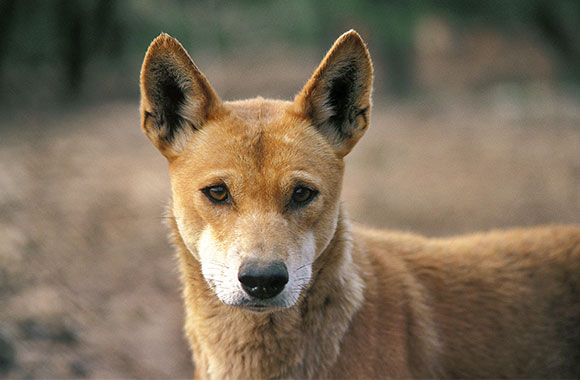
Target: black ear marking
<point>169,98</point>
<point>343,113</point>
<point>342,94</point>
<point>176,98</point>
<point>337,98</point>
<point>171,101</point>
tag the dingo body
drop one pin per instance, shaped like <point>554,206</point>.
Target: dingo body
<point>278,285</point>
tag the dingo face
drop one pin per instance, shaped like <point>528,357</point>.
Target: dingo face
<point>256,183</point>
<point>244,192</point>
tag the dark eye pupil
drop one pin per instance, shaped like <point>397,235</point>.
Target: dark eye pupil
<point>301,194</point>
<point>218,193</point>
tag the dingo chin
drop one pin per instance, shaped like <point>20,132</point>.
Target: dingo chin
<point>278,285</point>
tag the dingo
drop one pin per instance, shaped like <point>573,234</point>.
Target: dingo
<point>277,285</point>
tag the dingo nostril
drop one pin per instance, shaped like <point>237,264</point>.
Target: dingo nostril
<point>263,280</point>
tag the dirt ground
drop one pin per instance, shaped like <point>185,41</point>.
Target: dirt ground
<point>88,281</point>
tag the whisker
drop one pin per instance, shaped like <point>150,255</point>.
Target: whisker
<point>214,262</point>
<point>303,266</point>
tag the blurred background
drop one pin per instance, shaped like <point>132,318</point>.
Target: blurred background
<point>475,126</point>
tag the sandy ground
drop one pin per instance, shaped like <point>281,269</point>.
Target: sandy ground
<point>88,281</point>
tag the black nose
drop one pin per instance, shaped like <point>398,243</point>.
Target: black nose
<point>263,280</point>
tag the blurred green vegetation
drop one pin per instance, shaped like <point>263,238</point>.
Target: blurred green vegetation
<point>63,49</point>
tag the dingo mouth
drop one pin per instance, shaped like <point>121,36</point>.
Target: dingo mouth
<point>258,306</point>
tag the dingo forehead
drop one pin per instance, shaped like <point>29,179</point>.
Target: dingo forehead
<point>258,110</point>
<point>256,145</point>
<point>258,132</point>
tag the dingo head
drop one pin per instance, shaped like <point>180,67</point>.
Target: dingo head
<point>256,183</point>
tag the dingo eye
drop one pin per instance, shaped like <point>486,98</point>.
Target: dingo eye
<point>217,194</point>
<point>302,195</point>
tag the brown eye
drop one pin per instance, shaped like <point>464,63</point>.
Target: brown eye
<point>217,194</point>
<point>302,195</point>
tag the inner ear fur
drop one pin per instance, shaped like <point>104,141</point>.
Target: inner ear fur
<point>176,98</point>
<point>337,98</point>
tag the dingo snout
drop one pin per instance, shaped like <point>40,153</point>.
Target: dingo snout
<point>263,280</point>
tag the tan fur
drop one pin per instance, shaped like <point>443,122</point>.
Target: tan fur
<point>371,304</point>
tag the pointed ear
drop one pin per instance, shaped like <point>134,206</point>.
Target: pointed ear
<point>337,99</point>
<point>176,98</point>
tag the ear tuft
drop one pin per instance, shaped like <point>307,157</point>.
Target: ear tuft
<point>176,98</point>
<point>337,98</point>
